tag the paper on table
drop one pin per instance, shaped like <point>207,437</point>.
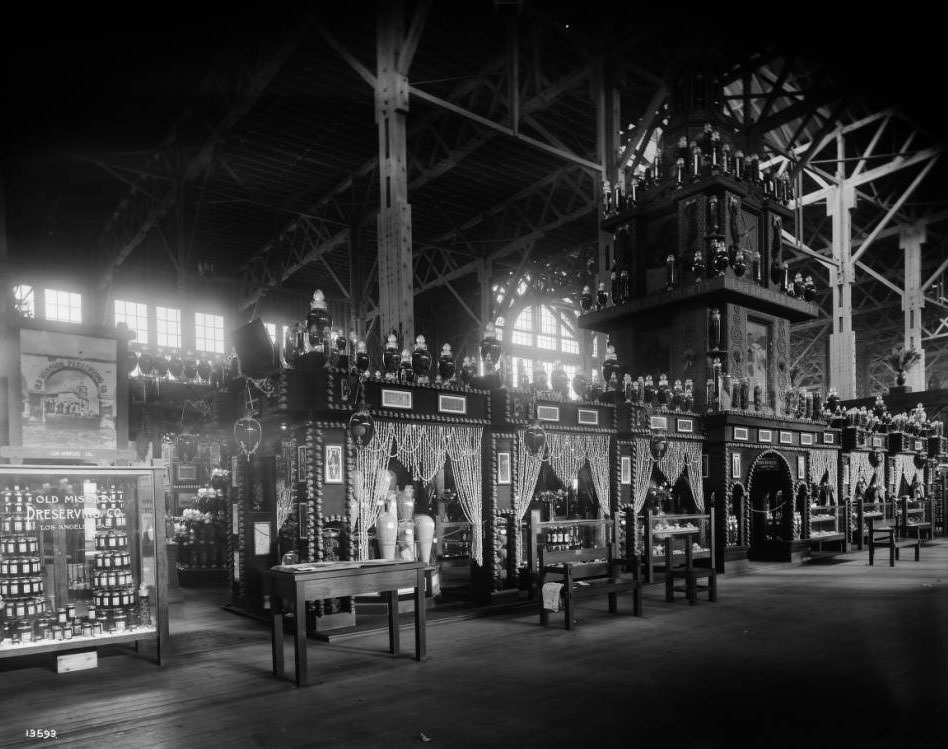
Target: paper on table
<point>261,538</point>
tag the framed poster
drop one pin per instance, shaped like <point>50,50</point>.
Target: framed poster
<point>625,469</point>
<point>71,386</point>
<point>396,399</point>
<point>503,468</point>
<point>765,435</point>
<point>736,466</point>
<point>741,433</point>
<point>806,438</point>
<point>686,426</point>
<point>786,438</point>
<point>333,464</point>
<point>587,416</point>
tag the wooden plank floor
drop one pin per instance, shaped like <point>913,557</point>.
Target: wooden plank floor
<point>820,655</point>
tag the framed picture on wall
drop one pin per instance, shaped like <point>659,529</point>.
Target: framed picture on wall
<point>625,469</point>
<point>503,468</point>
<point>736,466</point>
<point>801,467</point>
<point>333,464</point>
<point>705,466</point>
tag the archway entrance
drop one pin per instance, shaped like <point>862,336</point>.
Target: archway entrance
<point>771,500</point>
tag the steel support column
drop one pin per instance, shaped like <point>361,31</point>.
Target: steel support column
<point>396,300</point>
<point>913,300</point>
<point>842,343</point>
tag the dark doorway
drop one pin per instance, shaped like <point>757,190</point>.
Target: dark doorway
<point>771,497</point>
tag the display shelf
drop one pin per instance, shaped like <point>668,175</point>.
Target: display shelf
<point>826,523</point>
<point>88,573</point>
<point>680,529</point>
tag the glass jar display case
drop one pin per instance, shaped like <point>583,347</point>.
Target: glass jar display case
<point>694,529</point>
<point>78,558</point>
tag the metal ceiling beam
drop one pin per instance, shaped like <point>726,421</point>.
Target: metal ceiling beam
<point>124,240</point>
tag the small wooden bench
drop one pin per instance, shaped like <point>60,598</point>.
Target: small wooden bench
<point>893,537</point>
<point>588,573</point>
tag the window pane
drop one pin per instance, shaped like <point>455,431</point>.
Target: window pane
<point>546,341</point>
<point>135,316</point>
<point>209,332</point>
<point>524,339</point>
<point>569,346</point>
<point>525,319</point>
<point>24,300</point>
<point>547,321</point>
<point>168,327</point>
<point>63,306</point>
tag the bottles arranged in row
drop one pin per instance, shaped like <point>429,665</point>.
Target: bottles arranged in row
<point>563,538</point>
<point>704,156</point>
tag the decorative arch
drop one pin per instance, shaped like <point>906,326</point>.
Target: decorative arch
<point>785,466</point>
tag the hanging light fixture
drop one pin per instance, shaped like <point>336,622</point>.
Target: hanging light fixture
<point>247,430</point>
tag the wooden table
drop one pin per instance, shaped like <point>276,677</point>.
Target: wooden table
<point>295,586</point>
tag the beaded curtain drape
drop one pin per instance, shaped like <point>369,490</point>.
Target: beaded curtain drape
<point>642,476</point>
<point>464,449</point>
<point>678,456</point>
<point>528,472</point>
<point>422,449</point>
<point>859,466</point>
<point>597,453</point>
<point>825,461</point>
<point>905,466</point>
<point>370,483</point>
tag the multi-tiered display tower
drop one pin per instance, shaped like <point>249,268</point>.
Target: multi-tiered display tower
<point>699,291</point>
<point>22,586</point>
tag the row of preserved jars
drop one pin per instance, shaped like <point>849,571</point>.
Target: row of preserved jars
<point>111,540</point>
<point>113,578</point>
<point>11,545</point>
<point>112,560</point>
<point>19,523</point>
<point>20,566</point>
<point>17,587</point>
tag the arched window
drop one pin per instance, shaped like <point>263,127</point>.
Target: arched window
<point>540,334</point>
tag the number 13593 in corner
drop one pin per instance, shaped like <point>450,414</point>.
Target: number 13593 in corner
<point>40,733</point>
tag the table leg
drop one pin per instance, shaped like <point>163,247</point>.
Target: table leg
<point>393,634</point>
<point>299,638</point>
<point>276,637</point>
<point>420,635</point>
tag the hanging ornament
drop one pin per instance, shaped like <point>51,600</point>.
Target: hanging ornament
<point>658,446</point>
<point>534,439</point>
<point>247,434</point>
<point>361,427</point>
<point>186,446</point>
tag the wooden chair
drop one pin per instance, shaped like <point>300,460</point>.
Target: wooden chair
<point>689,572</point>
<point>893,536</point>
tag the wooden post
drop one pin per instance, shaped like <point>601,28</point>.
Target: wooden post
<point>396,298</point>
<point>913,300</point>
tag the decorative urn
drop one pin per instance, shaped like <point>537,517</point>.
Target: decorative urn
<point>580,385</point>
<point>559,380</point>
<point>446,366</point>
<point>421,359</point>
<point>678,396</point>
<point>317,320</point>
<point>809,289</point>
<point>390,357</point>
<point>720,259</point>
<point>362,358</point>
<point>610,364</point>
<point>490,348</point>
<point>601,295</point>
<point>586,299</point>
<point>663,391</point>
<point>648,392</point>
<point>798,286</point>
<point>467,371</point>
<point>405,372</point>
<point>688,398</point>
<point>697,265</point>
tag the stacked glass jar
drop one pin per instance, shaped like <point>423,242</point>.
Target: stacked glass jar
<point>114,596</point>
<point>22,600</point>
